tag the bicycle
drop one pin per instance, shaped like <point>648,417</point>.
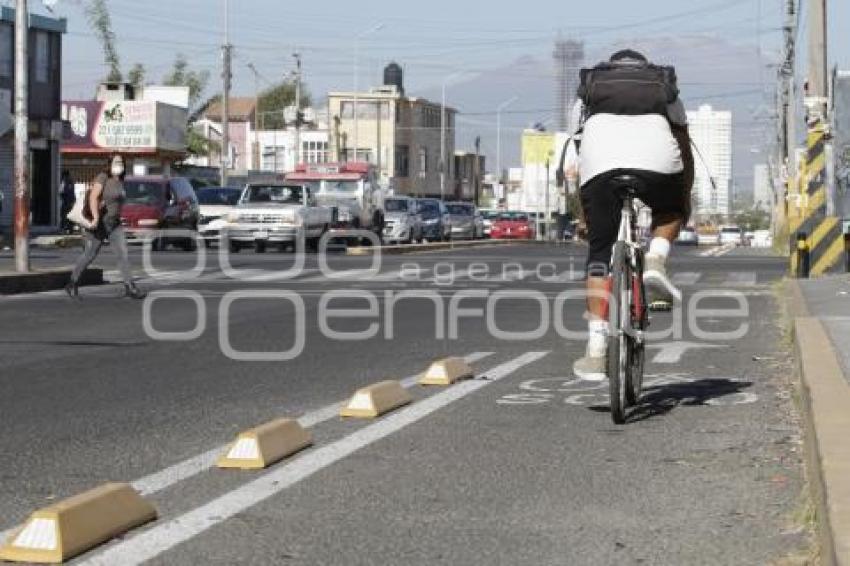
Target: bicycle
<point>628,313</point>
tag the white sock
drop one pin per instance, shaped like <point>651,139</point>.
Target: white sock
<point>659,247</point>
<point>597,343</point>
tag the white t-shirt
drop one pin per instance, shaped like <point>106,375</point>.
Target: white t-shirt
<point>645,142</point>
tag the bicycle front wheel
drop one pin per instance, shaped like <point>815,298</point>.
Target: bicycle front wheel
<point>619,319</point>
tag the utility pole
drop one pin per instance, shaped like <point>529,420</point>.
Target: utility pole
<point>22,174</point>
<point>818,75</point>
<point>477,177</point>
<point>786,96</point>
<point>256,126</point>
<point>297,108</point>
<point>378,150</point>
<point>227,76</point>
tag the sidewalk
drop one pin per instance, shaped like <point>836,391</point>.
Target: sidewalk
<point>821,316</point>
<point>47,273</point>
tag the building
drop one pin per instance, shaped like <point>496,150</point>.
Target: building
<point>242,152</point>
<point>399,134</point>
<point>255,149</point>
<point>468,175</point>
<point>45,125</point>
<point>762,188</point>
<point>711,132</point>
<point>568,57</point>
<point>145,126</point>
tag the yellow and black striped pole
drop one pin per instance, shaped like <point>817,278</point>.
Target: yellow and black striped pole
<point>823,233</point>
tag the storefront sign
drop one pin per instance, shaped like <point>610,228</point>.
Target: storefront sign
<point>127,126</point>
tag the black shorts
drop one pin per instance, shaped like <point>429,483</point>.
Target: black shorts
<point>664,194</point>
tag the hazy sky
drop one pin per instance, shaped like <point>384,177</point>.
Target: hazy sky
<point>432,39</point>
<point>431,42</point>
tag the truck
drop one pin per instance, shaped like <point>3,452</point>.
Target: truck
<point>276,214</point>
<point>350,190</point>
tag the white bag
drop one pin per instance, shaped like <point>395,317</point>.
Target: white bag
<point>76,215</point>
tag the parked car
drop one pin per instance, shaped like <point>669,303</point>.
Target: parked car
<point>488,217</point>
<point>462,220</point>
<point>762,239</point>
<point>708,238</point>
<point>402,222</point>
<point>688,237</point>
<point>276,213</point>
<point>512,226</point>
<point>435,220</point>
<point>731,235</point>
<point>216,203</point>
<point>156,204</point>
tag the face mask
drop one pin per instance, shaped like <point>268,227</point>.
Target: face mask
<point>117,169</point>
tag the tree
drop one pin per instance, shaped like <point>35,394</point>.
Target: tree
<point>274,100</point>
<point>181,75</point>
<point>753,219</point>
<point>136,76</point>
<point>101,22</point>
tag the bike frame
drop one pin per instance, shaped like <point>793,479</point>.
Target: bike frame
<point>628,235</point>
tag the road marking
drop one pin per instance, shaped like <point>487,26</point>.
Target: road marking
<point>686,278</point>
<point>172,475</point>
<point>673,352</point>
<point>163,479</point>
<point>741,279</point>
<point>161,538</point>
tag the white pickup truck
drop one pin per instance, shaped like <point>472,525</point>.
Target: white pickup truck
<point>276,214</point>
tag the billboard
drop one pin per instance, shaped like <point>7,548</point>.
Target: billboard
<point>143,127</point>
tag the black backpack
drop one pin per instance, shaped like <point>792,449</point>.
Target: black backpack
<point>628,88</point>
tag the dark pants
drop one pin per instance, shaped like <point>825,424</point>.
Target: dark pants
<point>664,194</point>
<point>65,224</point>
<point>94,242</point>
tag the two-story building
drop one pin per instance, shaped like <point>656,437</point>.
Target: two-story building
<point>406,137</point>
<point>45,125</point>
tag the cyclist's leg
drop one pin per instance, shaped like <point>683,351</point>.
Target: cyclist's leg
<point>667,197</point>
<point>602,210</point>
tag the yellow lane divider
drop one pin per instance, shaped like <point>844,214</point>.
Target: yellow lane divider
<point>376,400</point>
<point>447,372</point>
<point>67,529</point>
<point>259,448</point>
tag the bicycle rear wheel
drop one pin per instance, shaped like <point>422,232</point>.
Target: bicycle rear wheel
<point>619,318</point>
<point>639,321</point>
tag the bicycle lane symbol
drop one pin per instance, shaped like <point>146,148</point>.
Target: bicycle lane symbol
<point>661,389</point>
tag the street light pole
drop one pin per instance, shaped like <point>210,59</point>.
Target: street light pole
<point>501,107</point>
<point>225,99</point>
<point>22,174</point>
<point>443,135</point>
<point>297,109</point>
<point>357,39</point>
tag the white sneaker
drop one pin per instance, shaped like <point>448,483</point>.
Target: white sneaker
<point>590,368</point>
<point>659,289</point>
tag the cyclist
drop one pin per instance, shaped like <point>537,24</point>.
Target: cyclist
<point>639,136</point>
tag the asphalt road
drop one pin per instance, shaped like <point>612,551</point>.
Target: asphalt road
<point>520,466</point>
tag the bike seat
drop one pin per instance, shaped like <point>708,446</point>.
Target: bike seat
<point>626,184</point>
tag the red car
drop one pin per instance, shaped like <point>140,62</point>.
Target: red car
<point>512,226</point>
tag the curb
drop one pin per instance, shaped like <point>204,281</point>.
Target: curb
<point>48,280</point>
<point>826,403</point>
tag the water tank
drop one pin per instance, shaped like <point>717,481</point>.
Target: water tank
<point>394,76</point>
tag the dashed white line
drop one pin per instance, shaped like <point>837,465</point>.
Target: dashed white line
<point>165,536</point>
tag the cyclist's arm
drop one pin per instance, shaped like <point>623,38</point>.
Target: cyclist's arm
<point>679,127</point>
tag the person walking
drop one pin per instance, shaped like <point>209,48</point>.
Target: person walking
<point>68,197</point>
<point>104,202</point>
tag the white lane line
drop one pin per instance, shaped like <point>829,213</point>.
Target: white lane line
<point>186,469</point>
<point>161,538</point>
<point>742,279</point>
<point>686,278</point>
